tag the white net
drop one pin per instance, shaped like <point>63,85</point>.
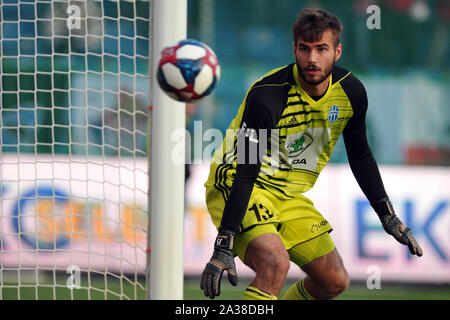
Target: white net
<point>73,157</point>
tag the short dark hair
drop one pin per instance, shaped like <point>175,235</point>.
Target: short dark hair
<point>312,23</point>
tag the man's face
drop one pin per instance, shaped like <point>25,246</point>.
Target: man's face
<point>315,60</point>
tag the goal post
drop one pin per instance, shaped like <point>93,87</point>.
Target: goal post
<point>76,83</point>
<point>166,200</point>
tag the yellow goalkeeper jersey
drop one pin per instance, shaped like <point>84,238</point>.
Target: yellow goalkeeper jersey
<point>299,132</point>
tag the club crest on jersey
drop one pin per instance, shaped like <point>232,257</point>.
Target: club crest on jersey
<point>333,115</point>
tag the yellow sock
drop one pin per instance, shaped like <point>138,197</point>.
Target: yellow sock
<point>252,293</point>
<point>298,292</point>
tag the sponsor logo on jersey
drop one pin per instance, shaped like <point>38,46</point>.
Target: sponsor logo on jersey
<point>293,121</point>
<point>299,145</point>
<point>295,161</point>
<point>333,115</point>
<point>319,226</point>
<point>302,150</point>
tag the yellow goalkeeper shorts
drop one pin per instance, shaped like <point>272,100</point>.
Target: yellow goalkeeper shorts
<point>296,221</point>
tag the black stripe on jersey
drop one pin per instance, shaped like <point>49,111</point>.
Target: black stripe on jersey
<point>218,178</point>
<point>308,172</point>
<point>226,168</point>
<point>231,153</point>
<point>222,169</point>
<point>299,112</point>
<point>299,124</point>
<point>218,183</point>
<point>300,102</point>
<point>262,186</point>
<point>272,183</point>
<point>292,169</point>
<point>221,178</point>
<point>258,184</point>
<point>278,168</point>
<point>224,181</point>
<point>272,85</point>
<point>273,178</point>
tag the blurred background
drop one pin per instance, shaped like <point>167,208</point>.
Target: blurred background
<point>85,92</point>
<point>404,66</point>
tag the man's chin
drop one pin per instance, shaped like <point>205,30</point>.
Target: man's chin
<point>312,81</point>
<point>315,79</point>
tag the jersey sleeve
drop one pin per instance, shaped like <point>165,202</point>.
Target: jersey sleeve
<point>255,127</point>
<point>360,157</point>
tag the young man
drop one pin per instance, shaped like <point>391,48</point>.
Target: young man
<point>258,206</point>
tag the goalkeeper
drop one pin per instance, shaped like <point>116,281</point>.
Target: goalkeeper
<point>257,203</point>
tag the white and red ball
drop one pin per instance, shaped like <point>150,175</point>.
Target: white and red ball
<point>188,71</point>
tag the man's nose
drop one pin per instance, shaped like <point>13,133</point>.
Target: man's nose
<point>312,56</point>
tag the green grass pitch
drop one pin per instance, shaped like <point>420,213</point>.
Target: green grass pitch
<point>356,291</point>
<point>103,287</point>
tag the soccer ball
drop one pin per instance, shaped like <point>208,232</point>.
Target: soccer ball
<point>188,71</point>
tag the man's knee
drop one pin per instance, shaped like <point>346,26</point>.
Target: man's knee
<point>336,284</point>
<point>268,257</point>
<point>275,263</point>
<point>269,263</point>
<point>328,277</point>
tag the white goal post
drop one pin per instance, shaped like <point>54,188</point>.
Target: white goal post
<point>76,215</point>
<point>169,20</point>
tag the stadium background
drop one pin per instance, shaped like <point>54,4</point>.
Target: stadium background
<point>404,65</point>
<point>405,68</point>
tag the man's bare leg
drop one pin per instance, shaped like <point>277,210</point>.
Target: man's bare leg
<point>267,256</point>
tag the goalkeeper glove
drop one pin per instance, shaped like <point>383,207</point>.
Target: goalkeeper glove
<point>393,226</point>
<point>221,260</point>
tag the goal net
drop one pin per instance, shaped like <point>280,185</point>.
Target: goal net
<point>74,95</point>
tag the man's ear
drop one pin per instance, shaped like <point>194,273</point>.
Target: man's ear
<point>338,52</point>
